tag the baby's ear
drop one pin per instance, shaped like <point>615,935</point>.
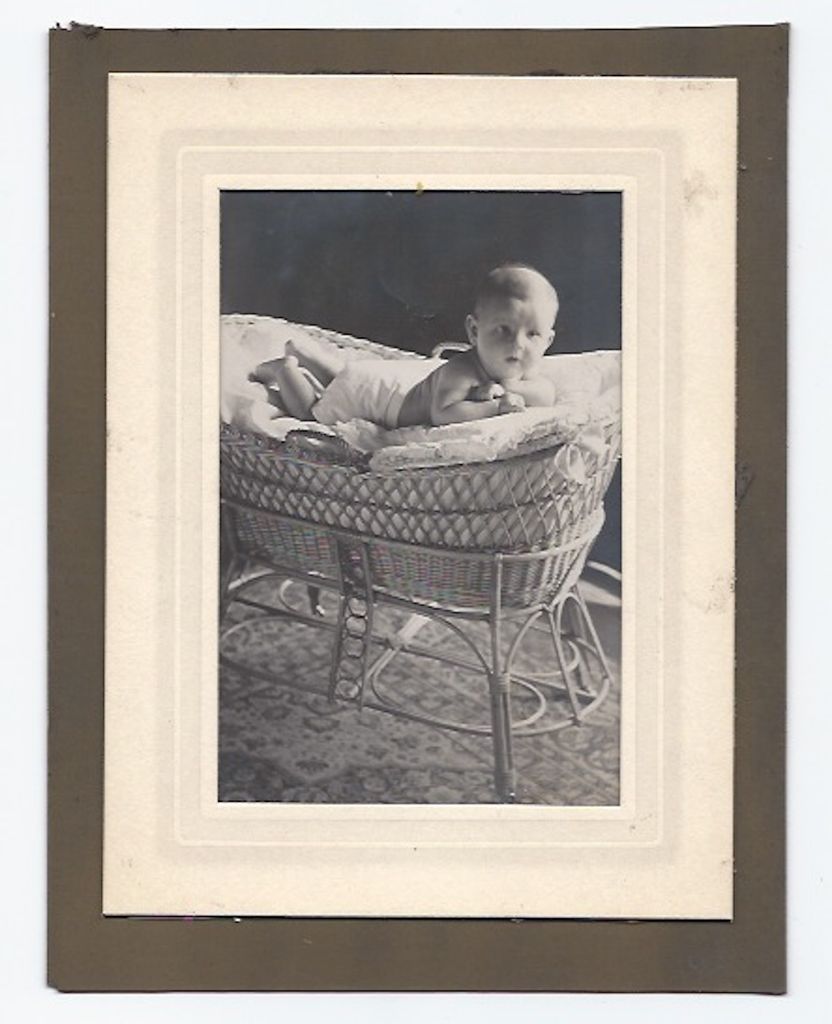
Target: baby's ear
<point>471,328</point>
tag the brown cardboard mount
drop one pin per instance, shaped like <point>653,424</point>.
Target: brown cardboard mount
<point>90,952</point>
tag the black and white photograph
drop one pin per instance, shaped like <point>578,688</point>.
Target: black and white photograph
<point>417,462</point>
<point>421,520</point>
<point>420,497</point>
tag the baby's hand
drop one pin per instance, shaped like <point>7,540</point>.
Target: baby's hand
<point>510,402</point>
<point>487,392</point>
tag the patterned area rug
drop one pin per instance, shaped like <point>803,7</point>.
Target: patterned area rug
<point>279,744</point>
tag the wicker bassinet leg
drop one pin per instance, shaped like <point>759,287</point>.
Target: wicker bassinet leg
<point>229,574</point>
<point>556,627</point>
<point>595,645</point>
<point>505,775</point>
<point>574,626</point>
<point>354,631</point>
<point>499,685</point>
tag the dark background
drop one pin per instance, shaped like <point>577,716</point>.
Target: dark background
<point>401,267</point>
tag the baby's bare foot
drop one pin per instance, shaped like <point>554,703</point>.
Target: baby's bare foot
<point>268,373</point>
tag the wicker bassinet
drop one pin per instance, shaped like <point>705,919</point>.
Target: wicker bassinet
<point>446,535</point>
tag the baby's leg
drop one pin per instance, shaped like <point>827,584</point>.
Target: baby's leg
<point>324,363</point>
<point>297,395</point>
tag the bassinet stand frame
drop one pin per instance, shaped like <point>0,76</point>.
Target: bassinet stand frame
<point>356,673</point>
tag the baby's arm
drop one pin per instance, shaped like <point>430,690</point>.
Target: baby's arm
<point>536,391</point>
<point>450,403</point>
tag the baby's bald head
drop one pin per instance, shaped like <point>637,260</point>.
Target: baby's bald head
<point>516,281</point>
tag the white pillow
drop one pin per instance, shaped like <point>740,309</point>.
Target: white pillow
<point>583,375</point>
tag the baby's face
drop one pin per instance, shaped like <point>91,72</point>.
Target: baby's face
<point>511,333</point>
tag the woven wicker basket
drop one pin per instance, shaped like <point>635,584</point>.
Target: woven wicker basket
<point>521,503</point>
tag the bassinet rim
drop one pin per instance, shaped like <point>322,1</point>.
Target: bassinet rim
<point>358,461</point>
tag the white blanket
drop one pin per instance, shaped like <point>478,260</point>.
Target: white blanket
<point>587,387</point>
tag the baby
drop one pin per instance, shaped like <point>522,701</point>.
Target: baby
<point>510,329</point>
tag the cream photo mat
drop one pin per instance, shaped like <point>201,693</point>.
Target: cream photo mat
<point>669,145</point>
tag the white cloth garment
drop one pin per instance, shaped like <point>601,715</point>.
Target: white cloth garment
<point>372,389</point>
